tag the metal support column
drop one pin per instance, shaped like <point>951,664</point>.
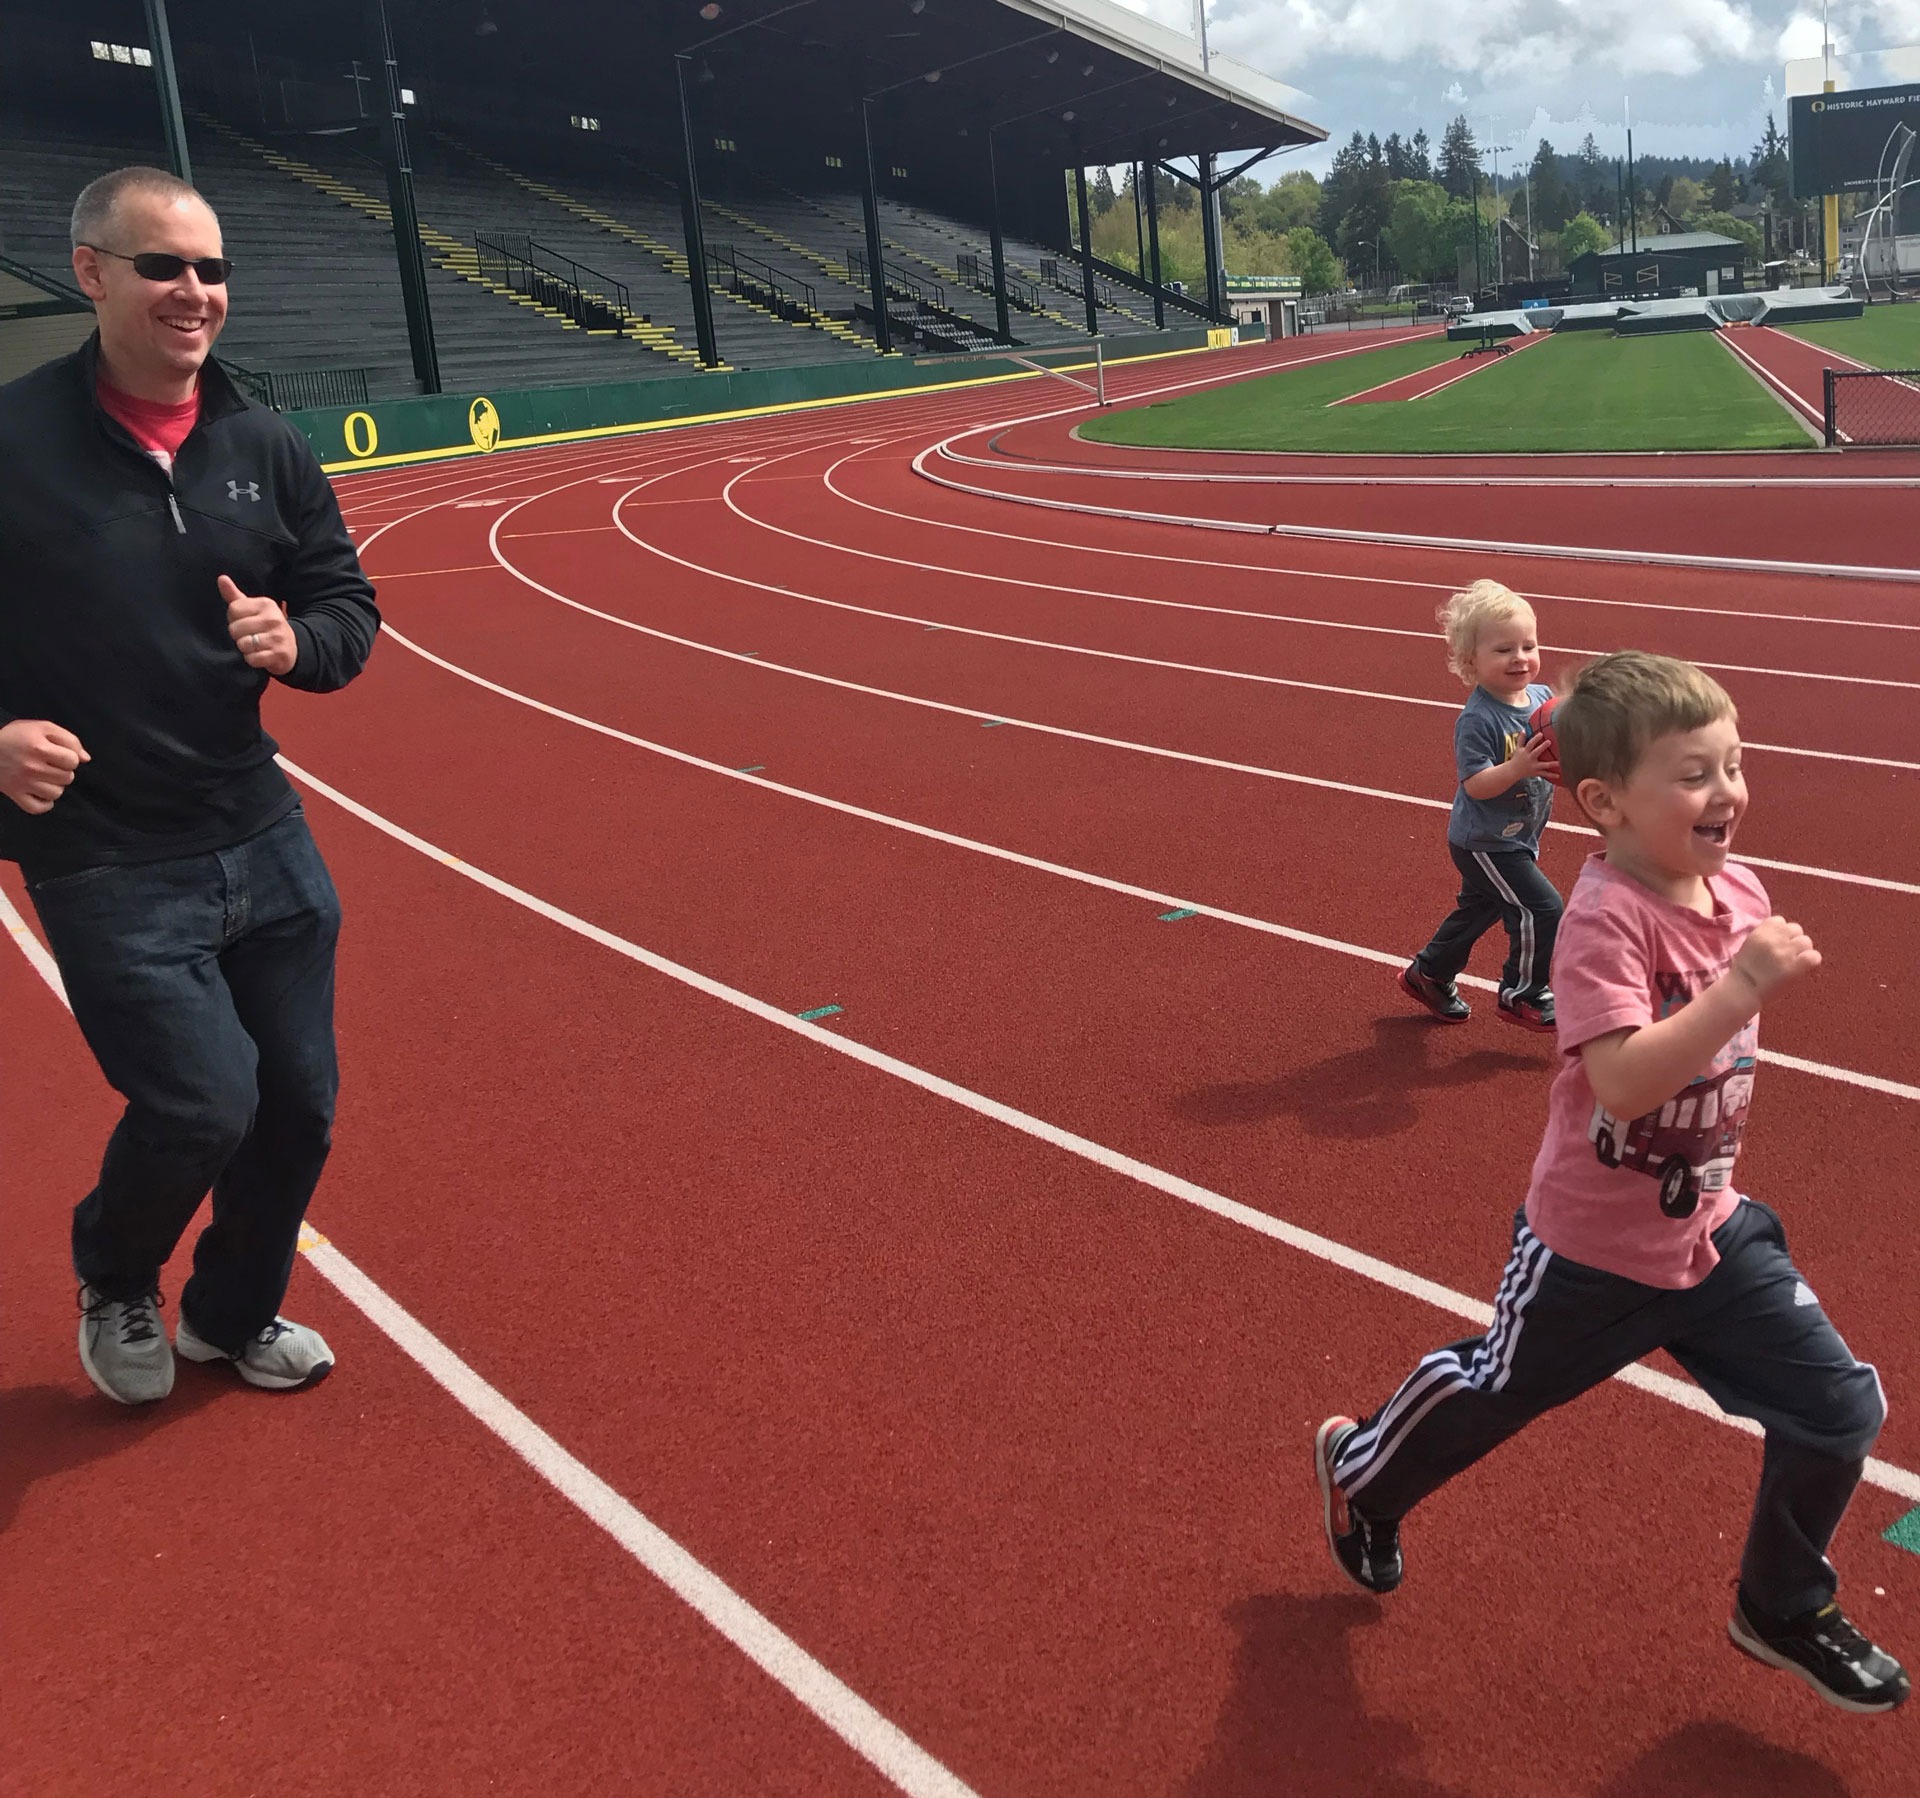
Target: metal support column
<point>876,267</point>
<point>1210,233</point>
<point>1139,226</point>
<point>1153,245</point>
<point>1086,251</point>
<point>690,226</point>
<point>172,120</point>
<point>406,223</point>
<point>998,241</point>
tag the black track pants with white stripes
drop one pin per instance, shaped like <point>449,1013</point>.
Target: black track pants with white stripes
<point>1752,1334</point>
<point>1498,886</point>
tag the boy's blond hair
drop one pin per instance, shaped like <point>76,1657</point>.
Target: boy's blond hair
<point>1467,614</point>
<point>1620,703</point>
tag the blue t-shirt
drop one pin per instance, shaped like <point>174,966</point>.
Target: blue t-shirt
<point>1490,732</point>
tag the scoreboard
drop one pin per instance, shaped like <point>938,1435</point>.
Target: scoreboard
<point>1837,142</point>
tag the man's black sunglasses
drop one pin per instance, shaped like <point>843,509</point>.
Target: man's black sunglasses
<point>156,265</point>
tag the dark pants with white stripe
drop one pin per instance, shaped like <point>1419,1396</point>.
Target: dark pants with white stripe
<point>1498,886</point>
<point>1751,1333</point>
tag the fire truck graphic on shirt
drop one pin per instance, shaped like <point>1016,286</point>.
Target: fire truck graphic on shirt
<point>1689,1145</point>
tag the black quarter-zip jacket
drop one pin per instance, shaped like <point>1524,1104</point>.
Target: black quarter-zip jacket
<point>112,624</point>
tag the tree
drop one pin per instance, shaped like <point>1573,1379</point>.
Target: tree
<point>1292,200</point>
<point>1729,226</point>
<point>1419,157</point>
<point>1720,186</point>
<point>1581,233</point>
<point>1553,205</point>
<point>1100,197</point>
<point>1594,191</point>
<point>1420,231</point>
<point>1398,158</point>
<point>1312,261</point>
<point>1769,172</point>
<point>1459,159</point>
<point>1686,199</point>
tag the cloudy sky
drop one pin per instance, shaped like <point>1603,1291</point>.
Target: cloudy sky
<point>1701,74</point>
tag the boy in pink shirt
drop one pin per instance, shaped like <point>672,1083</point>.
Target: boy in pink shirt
<point>1633,1236</point>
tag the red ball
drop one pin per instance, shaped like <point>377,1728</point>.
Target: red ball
<point>1540,723</point>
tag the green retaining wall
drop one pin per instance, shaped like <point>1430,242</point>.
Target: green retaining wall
<point>388,433</point>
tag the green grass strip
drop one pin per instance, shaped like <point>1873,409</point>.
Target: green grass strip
<point>1582,391</point>
<point>1882,337</point>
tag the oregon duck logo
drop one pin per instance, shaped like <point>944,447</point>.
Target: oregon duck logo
<point>483,423</point>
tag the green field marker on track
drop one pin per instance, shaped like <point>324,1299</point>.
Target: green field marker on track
<point>992,723</point>
<point>819,1011</point>
<point>1174,917</point>
<point>1904,1532</point>
<point>756,768</point>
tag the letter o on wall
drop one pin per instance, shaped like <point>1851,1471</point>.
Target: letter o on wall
<point>368,431</point>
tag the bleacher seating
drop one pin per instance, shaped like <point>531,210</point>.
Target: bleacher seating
<point>585,273</point>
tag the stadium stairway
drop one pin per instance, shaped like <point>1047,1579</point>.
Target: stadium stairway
<point>635,230</point>
<point>473,353</point>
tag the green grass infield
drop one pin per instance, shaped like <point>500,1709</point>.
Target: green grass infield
<point>1882,337</point>
<point>1585,391</point>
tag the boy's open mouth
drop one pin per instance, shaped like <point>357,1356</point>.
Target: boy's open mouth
<point>1714,833</point>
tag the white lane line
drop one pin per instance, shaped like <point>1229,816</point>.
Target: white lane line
<point>1886,1475</point>
<point>872,1736</point>
<point>932,833</point>
<point>1400,539</point>
<point>1329,574</point>
<point>1305,620</point>
<point>963,630</point>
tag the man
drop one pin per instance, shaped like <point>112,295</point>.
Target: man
<point>167,548</point>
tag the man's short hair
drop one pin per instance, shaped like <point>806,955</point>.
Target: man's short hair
<point>93,211</point>
<point>1467,614</point>
<point>1620,704</point>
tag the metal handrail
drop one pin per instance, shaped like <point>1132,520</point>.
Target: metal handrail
<point>293,390</point>
<point>899,283</point>
<point>520,270</point>
<point>1020,292</point>
<point>47,284</point>
<point>784,295</point>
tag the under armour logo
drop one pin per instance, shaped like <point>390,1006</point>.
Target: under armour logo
<point>250,488</point>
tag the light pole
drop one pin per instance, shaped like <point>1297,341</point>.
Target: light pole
<point>1373,244</point>
<point>1499,249</point>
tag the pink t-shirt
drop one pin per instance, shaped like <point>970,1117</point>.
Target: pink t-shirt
<point>1642,1196</point>
<point>158,428</point>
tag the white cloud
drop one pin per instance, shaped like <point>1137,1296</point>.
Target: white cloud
<point>1456,94</point>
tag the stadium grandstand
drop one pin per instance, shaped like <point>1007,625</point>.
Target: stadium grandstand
<point>435,195</point>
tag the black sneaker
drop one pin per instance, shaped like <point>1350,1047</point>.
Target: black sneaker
<point>1368,1553</point>
<point>1534,1012</point>
<point>1823,1648</point>
<point>1443,1001</point>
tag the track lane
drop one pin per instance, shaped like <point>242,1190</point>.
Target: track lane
<point>350,1585</point>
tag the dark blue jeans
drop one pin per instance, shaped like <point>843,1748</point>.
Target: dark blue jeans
<point>204,987</point>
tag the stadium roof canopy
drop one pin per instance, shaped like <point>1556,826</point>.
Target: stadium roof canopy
<point>1070,81</point>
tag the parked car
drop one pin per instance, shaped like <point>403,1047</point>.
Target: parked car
<point>1459,305</point>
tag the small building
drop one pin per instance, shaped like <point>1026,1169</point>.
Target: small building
<point>1270,300</point>
<point>1673,265</point>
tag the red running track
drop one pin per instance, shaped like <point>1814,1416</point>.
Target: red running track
<point>1011,1438</point>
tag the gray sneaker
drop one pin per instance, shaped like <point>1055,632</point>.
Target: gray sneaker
<point>284,1357</point>
<point>123,1347</point>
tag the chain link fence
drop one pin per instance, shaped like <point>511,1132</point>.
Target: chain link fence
<point>1878,406</point>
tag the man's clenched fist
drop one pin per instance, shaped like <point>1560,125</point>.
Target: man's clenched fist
<point>259,630</point>
<point>37,762</point>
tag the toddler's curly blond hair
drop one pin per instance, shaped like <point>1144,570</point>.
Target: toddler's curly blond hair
<point>1466,615</point>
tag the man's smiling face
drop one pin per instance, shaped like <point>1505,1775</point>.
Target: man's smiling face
<point>154,335</point>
